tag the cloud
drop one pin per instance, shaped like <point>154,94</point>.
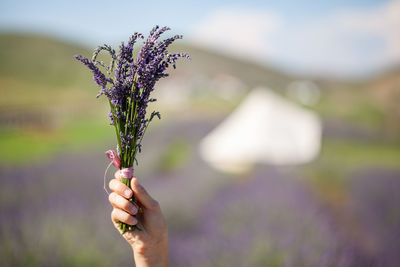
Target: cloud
<point>343,43</point>
<point>382,23</point>
<point>242,32</point>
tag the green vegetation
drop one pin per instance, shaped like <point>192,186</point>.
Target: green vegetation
<point>175,156</point>
<point>32,146</point>
<point>329,176</point>
<point>263,254</point>
<point>44,94</point>
<point>346,154</point>
<point>353,106</point>
<point>40,61</point>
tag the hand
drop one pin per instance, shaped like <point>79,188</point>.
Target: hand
<point>150,246</point>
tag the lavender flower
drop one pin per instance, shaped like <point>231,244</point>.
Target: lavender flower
<point>99,78</point>
<point>128,87</point>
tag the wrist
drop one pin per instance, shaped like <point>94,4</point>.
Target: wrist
<point>151,257</point>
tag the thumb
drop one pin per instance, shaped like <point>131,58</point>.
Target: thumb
<point>141,194</point>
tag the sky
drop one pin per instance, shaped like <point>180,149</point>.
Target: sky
<point>332,38</point>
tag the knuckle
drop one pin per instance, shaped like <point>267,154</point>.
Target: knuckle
<point>116,185</point>
<point>111,198</point>
<point>111,184</point>
<point>132,220</point>
<point>155,205</point>
<point>141,188</point>
<point>118,188</point>
<point>113,215</point>
<point>126,204</point>
<point>129,219</point>
<point>121,188</point>
<point>124,216</point>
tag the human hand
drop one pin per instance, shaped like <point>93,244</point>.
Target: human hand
<point>150,246</point>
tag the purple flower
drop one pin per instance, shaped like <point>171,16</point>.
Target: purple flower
<point>128,87</point>
<point>98,77</point>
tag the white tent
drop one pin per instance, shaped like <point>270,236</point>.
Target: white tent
<point>265,128</point>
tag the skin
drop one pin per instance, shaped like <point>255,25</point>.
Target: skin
<point>150,246</point>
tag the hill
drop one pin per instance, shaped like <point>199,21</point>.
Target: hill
<point>385,90</point>
<point>41,63</point>
<point>37,72</point>
<point>210,63</point>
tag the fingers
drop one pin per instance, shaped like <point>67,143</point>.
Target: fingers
<point>120,188</point>
<point>141,194</point>
<point>117,175</point>
<point>118,215</point>
<point>122,203</point>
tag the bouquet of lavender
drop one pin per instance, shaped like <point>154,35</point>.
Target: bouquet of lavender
<point>127,82</point>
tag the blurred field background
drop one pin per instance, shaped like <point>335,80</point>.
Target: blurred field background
<point>341,209</point>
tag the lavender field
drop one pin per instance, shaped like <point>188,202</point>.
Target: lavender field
<point>340,209</point>
<point>56,213</point>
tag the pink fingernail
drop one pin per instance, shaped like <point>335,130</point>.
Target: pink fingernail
<point>127,193</point>
<point>134,210</point>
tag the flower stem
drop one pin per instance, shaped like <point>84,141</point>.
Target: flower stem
<point>123,226</point>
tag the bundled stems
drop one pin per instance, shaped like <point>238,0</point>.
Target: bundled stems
<point>128,83</point>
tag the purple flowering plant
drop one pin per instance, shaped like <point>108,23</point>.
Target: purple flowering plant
<point>127,82</point>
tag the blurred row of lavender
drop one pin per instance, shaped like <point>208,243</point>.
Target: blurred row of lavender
<point>56,213</point>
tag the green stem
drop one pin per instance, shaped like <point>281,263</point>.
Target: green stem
<point>126,157</point>
<point>123,226</point>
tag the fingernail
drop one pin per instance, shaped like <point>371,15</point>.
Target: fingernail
<point>127,193</point>
<point>134,210</point>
